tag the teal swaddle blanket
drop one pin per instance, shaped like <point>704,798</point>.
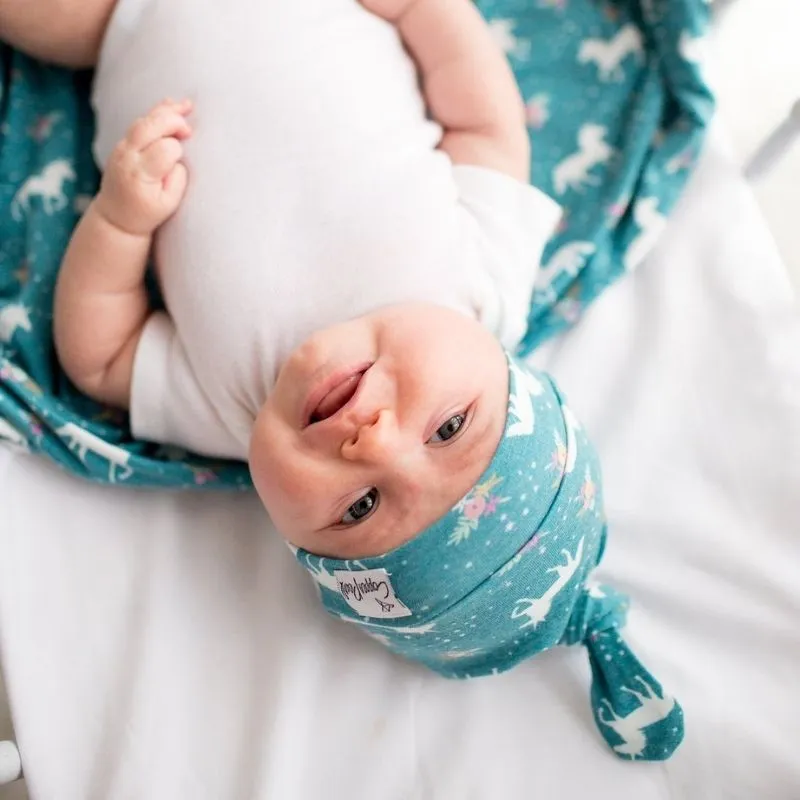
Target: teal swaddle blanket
<point>617,109</point>
<point>506,575</point>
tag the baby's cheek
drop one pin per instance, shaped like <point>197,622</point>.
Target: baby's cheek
<point>281,479</point>
<point>267,471</point>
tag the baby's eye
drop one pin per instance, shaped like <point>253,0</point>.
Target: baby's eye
<point>362,508</point>
<point>449,429</point>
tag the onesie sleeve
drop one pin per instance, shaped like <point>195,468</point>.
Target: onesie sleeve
<point>167,403</point>
<point>508,224</point>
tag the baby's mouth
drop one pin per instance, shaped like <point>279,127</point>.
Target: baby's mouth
<point>336,398</point>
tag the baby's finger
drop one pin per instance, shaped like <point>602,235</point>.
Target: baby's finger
<point>162,122</point>
<point>175,184</point>
<point>170,102</point>
<point>158,158</point>
<point>182,107</point>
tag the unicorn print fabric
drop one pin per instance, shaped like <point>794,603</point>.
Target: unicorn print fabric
<point>506,574</point>
<point>617,110</point>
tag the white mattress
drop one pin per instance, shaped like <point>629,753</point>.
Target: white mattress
<point>165,646</point>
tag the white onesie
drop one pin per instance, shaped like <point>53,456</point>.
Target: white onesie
<point>316,195</point>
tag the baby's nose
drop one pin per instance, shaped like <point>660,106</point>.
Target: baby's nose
<point>376,439</point>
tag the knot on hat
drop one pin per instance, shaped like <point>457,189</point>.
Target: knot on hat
<point>634,714</point>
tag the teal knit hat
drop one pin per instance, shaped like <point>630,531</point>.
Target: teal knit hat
<point>505,574</point>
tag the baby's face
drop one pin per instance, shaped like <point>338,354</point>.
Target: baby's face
<point>377,427</point>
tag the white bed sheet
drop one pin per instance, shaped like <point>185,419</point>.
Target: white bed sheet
<point>165,646</point>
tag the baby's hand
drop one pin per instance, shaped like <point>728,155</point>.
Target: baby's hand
<point>145,181</point>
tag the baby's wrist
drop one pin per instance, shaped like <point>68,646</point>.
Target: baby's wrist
<point>109,213</point>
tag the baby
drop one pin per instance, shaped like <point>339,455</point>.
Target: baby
<point>346,243</point>
<point>341,267</point>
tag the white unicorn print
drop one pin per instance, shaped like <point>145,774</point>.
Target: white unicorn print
<point>630,728</point>
<point>573,171</point>
<point>502,31</point>
<point>417,630</point>
<point>455,655</point>
<point>322,576</point>
<point>48,185</point>
<point>8,433</point>
<point>13,317</point>
<point>536,610</point>
<point>521,402</point>
<point>80,441</point>
<point>567,260</point>
<point>608,54</point>
<point>651,223</point>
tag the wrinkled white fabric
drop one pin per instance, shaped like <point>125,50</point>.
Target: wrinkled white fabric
<point>160,645</point>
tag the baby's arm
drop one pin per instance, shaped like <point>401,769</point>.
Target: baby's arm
<point>101,304</point>
<point>67,32</point>
<point>468,84</point>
